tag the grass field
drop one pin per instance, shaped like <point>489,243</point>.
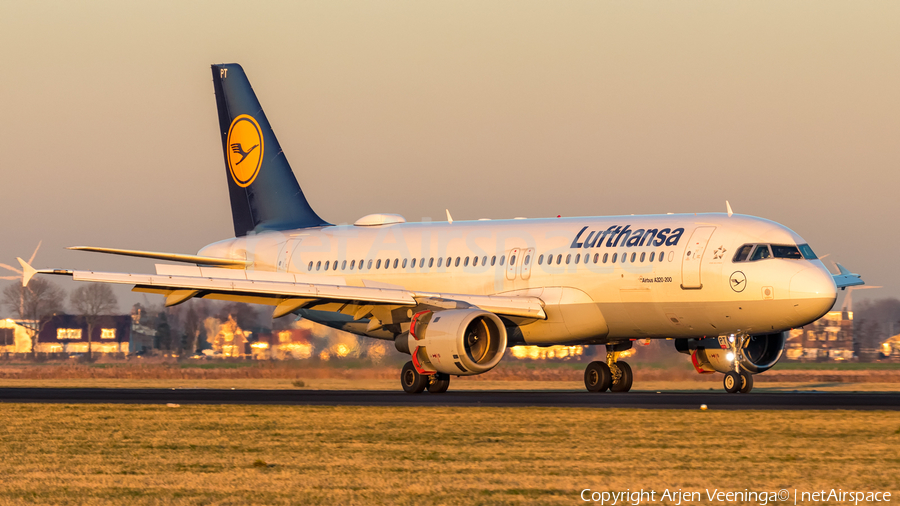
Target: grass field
<point>230,455</point>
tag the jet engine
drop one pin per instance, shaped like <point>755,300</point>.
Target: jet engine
<point>712,354</point>
<point>461,342</point>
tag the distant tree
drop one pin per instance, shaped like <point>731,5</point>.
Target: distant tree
<point>92,302</point>
<point>34,304</point>
<point>163,333</point>
<point>192,327</point>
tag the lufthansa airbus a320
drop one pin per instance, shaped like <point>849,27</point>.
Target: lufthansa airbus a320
<point>455,295</point>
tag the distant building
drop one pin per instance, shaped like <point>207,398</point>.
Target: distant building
<point>69,334</point>
<point>283,344</point>
<point>828,338</point>
<point>15,336</point>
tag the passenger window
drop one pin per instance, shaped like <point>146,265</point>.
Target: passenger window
<point>502,259</point>
<point>370,264</point>
<point>743,253</point>
<point>596,257</point>
<point>474,261</point>
<point>466,262</point>
<point>541,260</point>
<point>318,265</point>
<point>512,260</point>
<point>326,264</point>
<point>431,262</point>
<point>786,252</point>
<point>396,262</point>
<point>578,258</point>
<point>344,265</point>
<point>527,259</point>
<point>449,259</point>
<point>652,256</point>
<point>404,263</point>
<point>662,255</point>
<point>633,256</point>
<point>310,265</point>
<point>440,261</point>
<point>586,258</point>
<point>422,262</point>
<point>352,263</point>
<point>642,257</point>
<point>493,259</point>
<point>334,266</point>
<point>614,258</point>
<point>568,259</point>
<point>378,264</point>
<point>761,252</point>
<point>605,257</point>
<point>558,259</point>
<point>456,264</point>
<point>484,260</point>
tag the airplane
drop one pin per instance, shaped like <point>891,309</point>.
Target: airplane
<point>455,295</point>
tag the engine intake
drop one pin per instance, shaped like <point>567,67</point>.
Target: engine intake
<point>461,342</point>
<point>759,355</point>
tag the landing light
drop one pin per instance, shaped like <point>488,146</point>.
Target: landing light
<point>731,338</point>
<point>729,356</point>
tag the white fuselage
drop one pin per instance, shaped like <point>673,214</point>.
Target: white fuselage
<point>611,278</point>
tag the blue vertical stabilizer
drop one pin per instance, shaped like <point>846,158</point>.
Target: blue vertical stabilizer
<point>264,193</point>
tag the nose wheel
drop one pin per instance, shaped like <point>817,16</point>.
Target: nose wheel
<point>738,380</point>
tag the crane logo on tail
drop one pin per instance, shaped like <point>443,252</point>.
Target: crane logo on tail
<point>245,150</point>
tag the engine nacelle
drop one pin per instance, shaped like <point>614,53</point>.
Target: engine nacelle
<point>710,355</point>
<point>461,342</point>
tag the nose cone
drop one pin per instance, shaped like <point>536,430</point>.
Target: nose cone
<point>813,293</point>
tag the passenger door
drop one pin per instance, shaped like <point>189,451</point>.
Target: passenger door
<point>693,254</point>
<point>527,260</point>
<point>512,263</point>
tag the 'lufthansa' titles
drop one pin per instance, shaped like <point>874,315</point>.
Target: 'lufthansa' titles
<point>619,236</point>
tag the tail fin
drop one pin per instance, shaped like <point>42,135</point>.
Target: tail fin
<point>264,193</point>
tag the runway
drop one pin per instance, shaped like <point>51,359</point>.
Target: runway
<point>642,400</point>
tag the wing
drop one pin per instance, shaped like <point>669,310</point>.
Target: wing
<point>291,292</point>
<point>846,278</point>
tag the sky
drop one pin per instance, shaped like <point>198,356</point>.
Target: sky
<point>789,110</point>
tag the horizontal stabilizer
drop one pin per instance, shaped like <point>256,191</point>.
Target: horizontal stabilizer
<point>173,257</point>
<point>846,278</point>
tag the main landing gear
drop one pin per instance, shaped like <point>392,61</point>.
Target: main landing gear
<point>612,375</point>
<point>737,380</point>
<point>415,383</point>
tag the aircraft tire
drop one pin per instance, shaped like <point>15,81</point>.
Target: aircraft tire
<point>732,382</point>
<point>625,380</point>
<point>597,377</point>
<point>411,380</point>
<point>746,382</point>
<point>438,383</point>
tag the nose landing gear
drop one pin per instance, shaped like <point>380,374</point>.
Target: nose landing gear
<point>738,380</point>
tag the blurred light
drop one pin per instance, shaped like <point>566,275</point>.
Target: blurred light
<point>729,356</point>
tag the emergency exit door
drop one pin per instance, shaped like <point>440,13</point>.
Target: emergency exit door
<point>693,256</point>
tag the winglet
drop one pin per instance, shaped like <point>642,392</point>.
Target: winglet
<point>449,218</point>
<point>28,271</point>
<point>846,278</point>
<point>728,209</point>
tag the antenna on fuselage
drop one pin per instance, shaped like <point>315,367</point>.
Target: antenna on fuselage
<point>449,218</point>
<point>728,209</point>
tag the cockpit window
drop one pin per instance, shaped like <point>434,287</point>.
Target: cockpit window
<point>779,251</point>
<point>743,253</point>
<point>807,252</point>
<point>761,252</point>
